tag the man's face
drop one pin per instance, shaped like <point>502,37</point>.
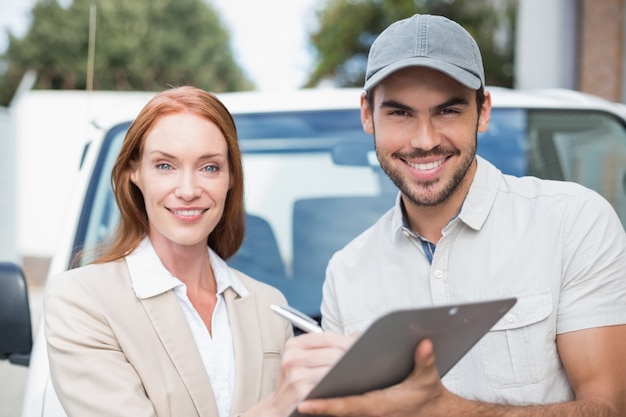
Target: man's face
<point>425,125</point>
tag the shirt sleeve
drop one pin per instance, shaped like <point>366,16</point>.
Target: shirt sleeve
<point>331,320</point>
<point>593,291</point>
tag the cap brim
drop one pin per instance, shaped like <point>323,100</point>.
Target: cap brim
<point>465,77</point>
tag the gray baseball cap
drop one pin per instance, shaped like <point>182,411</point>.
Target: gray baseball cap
<point>426,41</point>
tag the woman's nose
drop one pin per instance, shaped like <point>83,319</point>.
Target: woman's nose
<point>187,188</point>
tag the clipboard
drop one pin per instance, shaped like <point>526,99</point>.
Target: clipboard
<point>384,354</point>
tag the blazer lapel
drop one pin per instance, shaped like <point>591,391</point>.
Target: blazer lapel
<point>246,333</point>
<point>170,323</point>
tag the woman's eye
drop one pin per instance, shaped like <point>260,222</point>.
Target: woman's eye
<point>210,168</point>
<point>163,166</point>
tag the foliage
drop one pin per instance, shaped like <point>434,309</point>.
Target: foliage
<point>347,29</point>
<point>140,45</point>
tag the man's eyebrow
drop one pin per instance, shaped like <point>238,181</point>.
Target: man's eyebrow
<point>395,105</point>
<point>452,102</point>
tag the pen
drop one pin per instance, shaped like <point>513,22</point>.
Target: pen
<point>297,318</point>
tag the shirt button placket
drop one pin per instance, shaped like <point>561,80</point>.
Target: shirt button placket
<point>438,275</point>
<point>438,286</point>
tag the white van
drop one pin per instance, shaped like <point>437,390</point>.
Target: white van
<point>312,183</point>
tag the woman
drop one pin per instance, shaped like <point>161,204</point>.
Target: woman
<point>159,325</point>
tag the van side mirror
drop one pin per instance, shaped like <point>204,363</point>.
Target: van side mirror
<point>16,338</point>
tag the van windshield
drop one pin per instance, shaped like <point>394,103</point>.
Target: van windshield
<point>303,199</point>
<point>312,182</point>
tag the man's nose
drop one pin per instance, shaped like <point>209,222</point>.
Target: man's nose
<point>425,135</point>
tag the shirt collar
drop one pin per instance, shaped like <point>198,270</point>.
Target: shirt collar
<point>150,277</point>
<point>477,204</point>
<point>482,194</point>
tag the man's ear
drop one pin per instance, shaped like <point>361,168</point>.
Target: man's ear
<point>366,115</point>
<point>485,114</point>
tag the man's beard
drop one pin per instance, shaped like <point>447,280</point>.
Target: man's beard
<point>431,199</point>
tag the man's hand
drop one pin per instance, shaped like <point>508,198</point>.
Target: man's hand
<point>421,392</point>
<point>591,358</point>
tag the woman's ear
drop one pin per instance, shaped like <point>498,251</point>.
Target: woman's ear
<point>134,173</point>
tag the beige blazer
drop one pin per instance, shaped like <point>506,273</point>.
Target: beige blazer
<point>112,354</point>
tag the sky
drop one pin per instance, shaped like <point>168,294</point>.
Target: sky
<point>269,37</point>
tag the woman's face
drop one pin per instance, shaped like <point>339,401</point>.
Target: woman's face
<point>184,177</point>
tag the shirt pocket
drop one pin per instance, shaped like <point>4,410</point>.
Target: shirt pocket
<point>520,349</point>
<point>360,325</point>
<point>272,359</point>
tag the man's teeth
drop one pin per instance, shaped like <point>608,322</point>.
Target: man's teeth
<point>188,213</point>
<point>424,167</point>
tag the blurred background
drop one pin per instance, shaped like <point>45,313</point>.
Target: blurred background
<point>63,61</point>
<point>52,52</point>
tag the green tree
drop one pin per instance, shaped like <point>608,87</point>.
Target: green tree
<point>347,28</point>
<point>139,45</point>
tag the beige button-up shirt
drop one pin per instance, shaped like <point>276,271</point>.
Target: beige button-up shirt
<point>558,247</point>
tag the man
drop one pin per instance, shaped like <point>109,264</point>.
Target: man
<point>461,231</point>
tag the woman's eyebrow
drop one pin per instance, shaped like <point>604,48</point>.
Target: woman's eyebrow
<point>162,154</point>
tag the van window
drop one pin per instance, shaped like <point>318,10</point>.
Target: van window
<point>312,182</point>
<point>301,203</point>
<point>587,147</point>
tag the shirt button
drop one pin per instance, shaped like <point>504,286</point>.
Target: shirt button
<point>438,274</point>
<point>510,318</point>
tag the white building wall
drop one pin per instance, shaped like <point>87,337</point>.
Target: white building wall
<point>545,47</point>
<point>8,179</point>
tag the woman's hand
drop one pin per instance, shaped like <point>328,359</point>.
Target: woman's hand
<point>306,359</point>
